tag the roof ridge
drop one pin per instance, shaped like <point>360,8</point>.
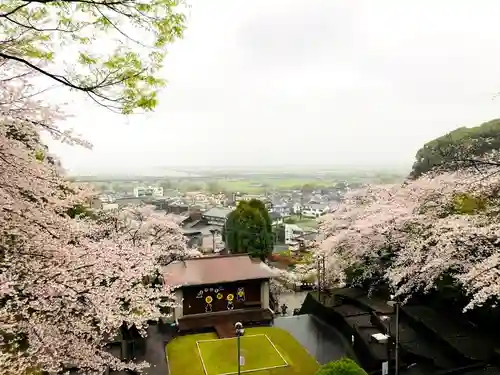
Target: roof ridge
<point>221,256</point>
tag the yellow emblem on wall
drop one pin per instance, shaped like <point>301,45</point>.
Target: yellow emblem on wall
<point>220,296</point>
<point>230,297</point>
<point>209,299</point>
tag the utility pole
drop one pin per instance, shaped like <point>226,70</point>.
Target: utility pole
<point>396,351</point>
<point>301,203</point>
<point>319,279</point>
<point>321,276</point>
<point>394,302</point>
<point>324,273</point>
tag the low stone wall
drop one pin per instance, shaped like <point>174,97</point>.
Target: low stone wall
<point>312,306</point>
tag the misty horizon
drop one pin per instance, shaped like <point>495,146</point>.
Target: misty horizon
<point>171,171</point>
<point>335,83</point>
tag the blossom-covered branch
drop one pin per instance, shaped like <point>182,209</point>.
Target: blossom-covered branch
<point>68,284</point>
<point>121,75</point>
<point>412,235</point>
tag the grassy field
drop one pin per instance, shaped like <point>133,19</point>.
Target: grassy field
<point>257,350</point>
<point>247,183</point>
<point>266,351</point>
<point>304,222</point>
<point>260,185</point>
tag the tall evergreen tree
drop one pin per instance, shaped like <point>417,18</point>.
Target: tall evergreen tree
<point>248,229</point>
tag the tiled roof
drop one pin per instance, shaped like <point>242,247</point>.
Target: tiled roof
<point>318,206</point>
<point>221,212</point>
<point>216,269</point>
<point>275,215</point>
<point>203,229</point>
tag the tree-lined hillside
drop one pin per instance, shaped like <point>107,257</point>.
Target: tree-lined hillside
<point>459,147</point>
<point>436,229</point>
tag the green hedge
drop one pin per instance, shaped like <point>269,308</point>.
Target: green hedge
<point>344,366</point>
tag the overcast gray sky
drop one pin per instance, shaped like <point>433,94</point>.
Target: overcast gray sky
<point>317,82</point>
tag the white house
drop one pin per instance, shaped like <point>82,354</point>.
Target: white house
<point>280,208</point>
<point>297,207</point>
<point>315,210</point>
<point>276,218</point>
<point>292,232</point>
<point>150,191</point>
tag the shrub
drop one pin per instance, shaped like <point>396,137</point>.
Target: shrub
<point>344,366</point>
<point>283,259</point>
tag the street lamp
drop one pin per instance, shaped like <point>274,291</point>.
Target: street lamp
<point>394,302</point>
<point>385,365</point>
<point>239,331</point>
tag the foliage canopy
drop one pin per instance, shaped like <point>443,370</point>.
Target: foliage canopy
<point>460,147</point>
<point>344,366</point>
<point>112,50</point>
<point>248,230</point>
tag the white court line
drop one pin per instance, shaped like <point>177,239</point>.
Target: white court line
<point>201,358</point>
<point>277,351</point>
<point>168,362</point>
<point>254,370</point>
<point>231,338</point>
<point>243,371</point>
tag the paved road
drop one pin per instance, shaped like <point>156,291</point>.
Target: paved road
<point>155,352</point>
<point>321,341</point>
<point>280,248</point>
<point>293,300</point>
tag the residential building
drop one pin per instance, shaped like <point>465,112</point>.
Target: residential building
<point>296,208</point>
<point>150,191</point>
<point>248,197</point>
<point>216,216</point>
<point>276,218</point>
<point>314,210</point>
<point>180,219</point>
<point>281,208</point>
<point>107,198</point>
<point>292,233</point>
<point>205,232</point>
<point>203,236</point>
<point>127,201</point>
<point>177,208</point>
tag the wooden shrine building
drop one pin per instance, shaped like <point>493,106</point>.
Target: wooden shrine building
<point>218,291</point>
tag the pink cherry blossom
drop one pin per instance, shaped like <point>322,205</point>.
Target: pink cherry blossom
<point>67,285</point>
<point>411,235</point>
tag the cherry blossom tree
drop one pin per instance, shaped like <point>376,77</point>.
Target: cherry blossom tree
<point>142,225</point>
<point>412,235</point>
<point>68,284</point>
<point>285,281</point>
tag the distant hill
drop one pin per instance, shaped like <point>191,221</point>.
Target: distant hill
<point>477,140</point>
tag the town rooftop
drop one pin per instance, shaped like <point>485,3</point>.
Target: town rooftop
<point>216,269</point>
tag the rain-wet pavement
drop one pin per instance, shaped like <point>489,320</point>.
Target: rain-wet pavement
<point>155,351</point>
<point>293,300</point>
<point>321,340</point>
